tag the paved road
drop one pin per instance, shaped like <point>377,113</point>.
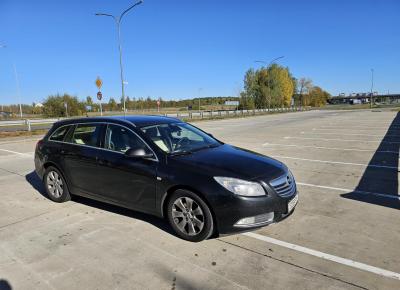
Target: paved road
<point>344,233</point>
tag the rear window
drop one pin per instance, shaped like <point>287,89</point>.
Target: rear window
<point>86,134</point>
<point>59,134</point>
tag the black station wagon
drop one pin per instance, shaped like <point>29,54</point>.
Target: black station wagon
<point>168,168</point>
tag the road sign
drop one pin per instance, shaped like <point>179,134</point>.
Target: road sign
<point>158,103</point>
<point>99,96</point>
<point>231,103</point>
<point>99,83</point>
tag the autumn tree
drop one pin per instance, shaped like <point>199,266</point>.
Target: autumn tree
<point>268,87</point>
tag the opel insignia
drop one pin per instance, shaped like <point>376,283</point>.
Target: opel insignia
<point>168,168</point>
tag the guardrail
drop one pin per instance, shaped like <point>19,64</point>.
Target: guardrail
<point>27,124</point>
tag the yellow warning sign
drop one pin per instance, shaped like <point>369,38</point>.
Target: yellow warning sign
<point>99,83</point>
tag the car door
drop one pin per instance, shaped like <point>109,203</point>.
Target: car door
<point>126,180</point>
<point>80,155</point>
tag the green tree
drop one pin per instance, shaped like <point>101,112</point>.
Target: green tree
<point>268,87</point>
<point>61,106</point>
<point>112,105</point>
<point>89,101</point>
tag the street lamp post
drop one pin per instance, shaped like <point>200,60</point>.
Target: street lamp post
<point>17,83</point>
<point>2,46</point>
<point>269,64</point>
<point>117,20</point>
<point>372,88</point>
<point>200,89</point>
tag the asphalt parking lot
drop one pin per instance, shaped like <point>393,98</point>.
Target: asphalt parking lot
<point>344,233</point>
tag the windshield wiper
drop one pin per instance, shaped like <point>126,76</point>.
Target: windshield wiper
<point>206,147</point>
<point>178,153</point>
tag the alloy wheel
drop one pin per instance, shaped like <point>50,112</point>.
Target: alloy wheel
<point>188,216</point>
<point>55,184</point>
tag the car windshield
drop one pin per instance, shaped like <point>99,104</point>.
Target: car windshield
<point>176,138</point>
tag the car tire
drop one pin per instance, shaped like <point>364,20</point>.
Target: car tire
<point>55,185</point>
<point>190,216</point>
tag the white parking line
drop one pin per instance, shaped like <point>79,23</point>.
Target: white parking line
<point>336,162</point>
<point>322,255</point>
<point>19,141</point>
<point>347,126</point>
<point>330,148</point>
<point>18,153</point>
<point>354,128</point>
<point>350,190</point>
<point>344,140</point>
<point>351,134</point>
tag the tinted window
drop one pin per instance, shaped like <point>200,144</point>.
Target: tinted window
<point>86,134</point>
<point>121,139</point>
<point>59,134</point>
<point>179,137</point>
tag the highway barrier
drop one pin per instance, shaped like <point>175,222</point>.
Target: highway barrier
<point>35,124</point>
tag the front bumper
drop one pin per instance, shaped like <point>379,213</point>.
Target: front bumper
<point>237,208</point>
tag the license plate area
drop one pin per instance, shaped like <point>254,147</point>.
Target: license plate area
<point>292,203</point>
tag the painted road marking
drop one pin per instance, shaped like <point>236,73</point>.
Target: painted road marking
<point>344,140</point>
<point>346,125</point>
<point>350,190</point>
<point>19,141</point>
<point>351,134</point>
<point>18,153</point>
<point>330,148</point>
<point>353,128</point>
<point>322,255</point>
<point>336,162</point>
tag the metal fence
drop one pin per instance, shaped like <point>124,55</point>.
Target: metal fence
<point>35,124</point>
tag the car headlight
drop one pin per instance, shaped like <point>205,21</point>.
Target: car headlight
<point>240,187</point>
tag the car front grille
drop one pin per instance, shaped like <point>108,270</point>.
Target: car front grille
<point>285,185</point>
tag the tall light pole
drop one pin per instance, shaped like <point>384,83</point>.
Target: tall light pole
<point>372,88</point>
<point>269,64</point>
<point>18,91</point>
<point>200,89</point>
<point>2,46</point>
<point>17,83</point>
<point>117,20</point>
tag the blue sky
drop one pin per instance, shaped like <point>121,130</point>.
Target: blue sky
<point>173,48</point>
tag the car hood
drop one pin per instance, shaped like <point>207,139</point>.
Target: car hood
<point>227,160</point>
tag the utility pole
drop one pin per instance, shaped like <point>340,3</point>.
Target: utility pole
<point>372,87</point>
<point>2,46</point>
<point>17,83</point>
<point>118,23</point>
<point>18,91</point>
<point>200,89</point>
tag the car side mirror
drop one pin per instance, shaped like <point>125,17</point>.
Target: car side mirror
<point>138,153</point>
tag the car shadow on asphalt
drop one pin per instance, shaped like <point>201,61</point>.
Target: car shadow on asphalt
<point>379,185</point>
<point>33,179</point>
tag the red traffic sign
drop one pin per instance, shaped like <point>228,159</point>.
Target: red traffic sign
<point>99,96</point>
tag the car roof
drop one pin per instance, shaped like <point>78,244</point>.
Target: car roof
<point>136,120</point>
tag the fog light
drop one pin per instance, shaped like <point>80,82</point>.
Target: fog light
<point>258,219</point>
